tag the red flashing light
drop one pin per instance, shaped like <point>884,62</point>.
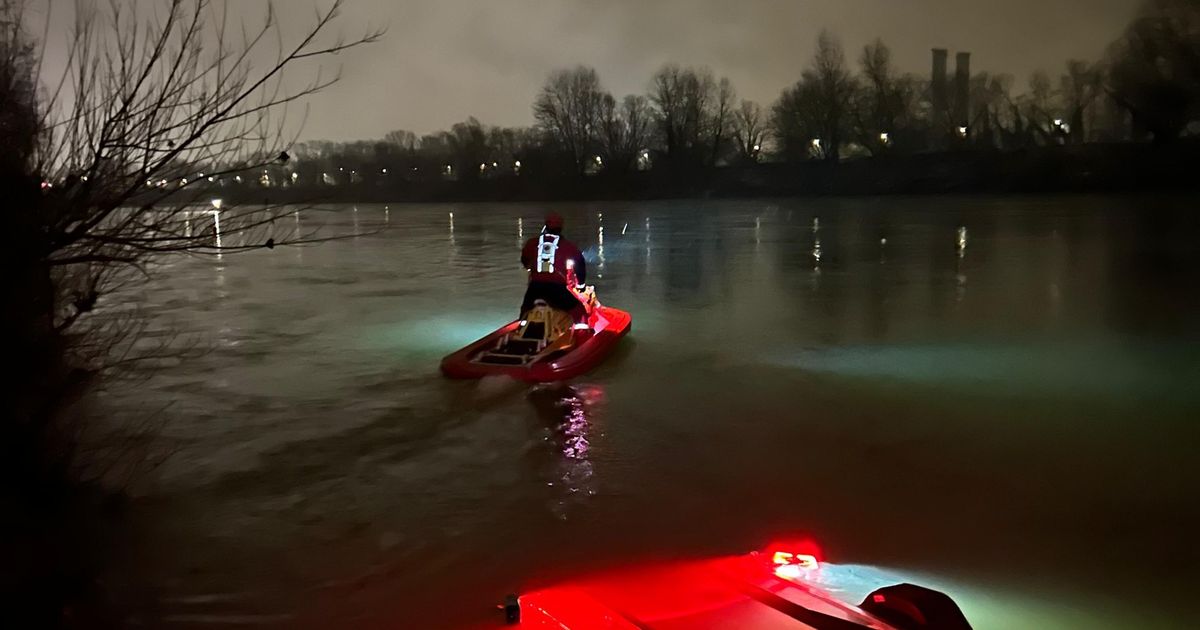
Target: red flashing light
<point>801,560</point>
<point>878,598</point>
<point>794,559</point>
<point>796,547</point>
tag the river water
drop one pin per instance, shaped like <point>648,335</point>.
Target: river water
<point>995,397</point>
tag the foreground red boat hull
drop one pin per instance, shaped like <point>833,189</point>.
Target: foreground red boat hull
<point>743,592</point>
<point>591,347</point>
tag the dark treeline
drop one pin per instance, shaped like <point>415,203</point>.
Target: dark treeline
<point>690,124</point>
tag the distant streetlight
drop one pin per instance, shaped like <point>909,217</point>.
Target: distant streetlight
<point>885,137</point>
<point>481,167</point>
<point>816,143</point>
<point>383,170</point>
<point>598,160</point>
<point>1058,122</point>
<point>495,165</point>
<point>517,164</point>
<point>216,203</point>
<point>757,147</point>
<point>962,132</point>
<point>216,215</point>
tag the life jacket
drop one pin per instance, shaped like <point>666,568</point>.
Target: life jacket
<point>547,249</point>
<point>550,258</point>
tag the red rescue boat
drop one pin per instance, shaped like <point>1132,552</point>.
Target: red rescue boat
<point>545,346</point>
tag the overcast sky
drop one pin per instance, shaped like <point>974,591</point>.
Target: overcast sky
<point>444,60</point>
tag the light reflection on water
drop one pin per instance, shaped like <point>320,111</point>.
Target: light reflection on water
<point>568,413</point>
<point>860,394</point>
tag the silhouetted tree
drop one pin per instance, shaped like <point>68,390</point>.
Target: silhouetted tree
<point>402,138</point>
<point>993,123</point>
<point>1154,69</point>
<point>815,112</point>
<point>1079,88</point>
<point>510,145</point>
<point>881,105</point>
<point>721,121</point>
<point>795,121</point>
<point>568,108</point>
<point>98,190</point>
<point>112,183</point>
<point>625,130</point>
<point>1038,108</point>
<point>682,98</point>
<point>18,91</point>
<point>639,122</point>
<point>400,155</point>
<point>437,155</point>
<point>469,149</point>
<point>750,130</point>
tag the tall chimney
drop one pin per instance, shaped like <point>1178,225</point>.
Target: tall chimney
<point>962,89</point>
<point>938,85</point>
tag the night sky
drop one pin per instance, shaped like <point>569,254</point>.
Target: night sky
<point>444,60</point>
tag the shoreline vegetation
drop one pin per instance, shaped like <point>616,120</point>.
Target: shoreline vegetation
<point>852,123</point>
<point>1094,168</point>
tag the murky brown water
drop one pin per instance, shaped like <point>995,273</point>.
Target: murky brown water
<point>993,396</point>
